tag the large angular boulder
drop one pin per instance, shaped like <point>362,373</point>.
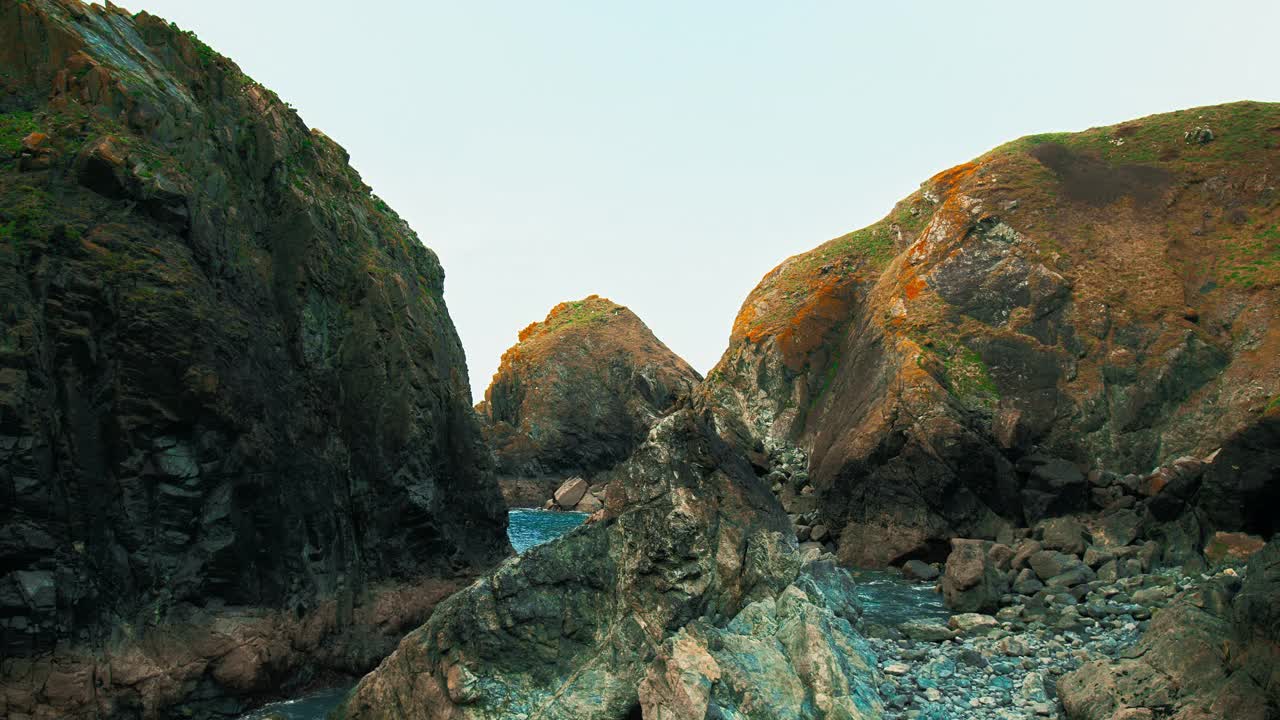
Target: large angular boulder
<point>1066,534</point>
<point>570,492</point>
<point>976,575</point>
<point>773,660</point>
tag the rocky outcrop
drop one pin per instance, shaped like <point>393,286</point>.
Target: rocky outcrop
<point>576,395</point>
<point>686,591</point>
<point>797,656</point>
<point>228,380</point>
<point>1067,303</point>
<point>1213,652</point>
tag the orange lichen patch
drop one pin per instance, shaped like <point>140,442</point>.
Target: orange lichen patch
<point>93,247</point>
<point>804,299</point>
<point>913,287</point>
<point>812,323</point>
<point>1156,483</point>
<point>945,183</point>
<point>34,141</point>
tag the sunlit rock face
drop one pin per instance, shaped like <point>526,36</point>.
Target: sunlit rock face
<point>227,374</point>
<point>1105,299</point>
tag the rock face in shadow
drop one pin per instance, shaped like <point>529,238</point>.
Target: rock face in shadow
<point>1099,301</point>
<point>576,395</point>
<point>227,374</point>
<point>690,545</point>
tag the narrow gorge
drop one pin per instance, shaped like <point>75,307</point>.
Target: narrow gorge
<point>1010,453</point>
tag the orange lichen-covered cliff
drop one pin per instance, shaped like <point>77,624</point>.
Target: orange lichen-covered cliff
<point>1109,298</point>
<point>579,391</point>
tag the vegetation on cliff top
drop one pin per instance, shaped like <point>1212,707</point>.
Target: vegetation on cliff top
<point>575,313</point>
<point>799,304</point>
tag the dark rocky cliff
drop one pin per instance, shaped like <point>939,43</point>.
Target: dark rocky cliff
<point>579,391</point>
<point>227,373</point>
<point>1104,301</point>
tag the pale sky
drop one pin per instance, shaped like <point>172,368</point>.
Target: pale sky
<point>668,154</point>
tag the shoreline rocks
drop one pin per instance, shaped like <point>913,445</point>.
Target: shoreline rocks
<point>1107,625</point>
<point>215,664</point>
<point>1208,654</point>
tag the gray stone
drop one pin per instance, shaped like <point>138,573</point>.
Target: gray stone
<point>970,622</point>
<point>926,631</point>
<point>38,588</point>
<point>1027,583</point>
<point>1077,575</point>
<point>1063,533</point>
<point>919,570</point>
<point>1095,557</point>
<point>1023,552</point>
<point>588,504</point>
<point>1050,563</point>
<point>971,581</point>
<point>1117,527</point>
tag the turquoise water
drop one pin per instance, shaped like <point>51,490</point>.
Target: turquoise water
<point>310,707</point>
<point>527,527</point>
<point>889,600</point>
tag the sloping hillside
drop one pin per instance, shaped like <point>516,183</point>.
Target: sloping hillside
<point>1106,297</point>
